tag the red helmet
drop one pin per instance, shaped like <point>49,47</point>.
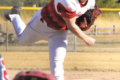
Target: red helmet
<point>33,75</point>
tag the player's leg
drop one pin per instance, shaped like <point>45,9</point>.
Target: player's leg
<point>34,31</point>
<point>57,52</point>
<point>24,33</point>
<point>18,24</point>
<point>13,15</point>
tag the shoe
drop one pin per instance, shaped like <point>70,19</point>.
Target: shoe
<point>14,10</point>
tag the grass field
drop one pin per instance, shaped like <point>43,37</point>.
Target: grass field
<point>78,61</point>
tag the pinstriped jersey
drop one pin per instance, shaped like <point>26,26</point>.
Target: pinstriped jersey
<point>55,10</point>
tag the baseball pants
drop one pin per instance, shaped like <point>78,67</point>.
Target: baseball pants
<point>37,30</point>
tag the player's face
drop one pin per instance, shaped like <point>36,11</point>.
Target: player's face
<point>83,1</point>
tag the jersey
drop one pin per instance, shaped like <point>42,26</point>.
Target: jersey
<point>55,10</point>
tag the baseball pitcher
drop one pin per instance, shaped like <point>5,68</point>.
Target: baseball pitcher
<point>52,23</point>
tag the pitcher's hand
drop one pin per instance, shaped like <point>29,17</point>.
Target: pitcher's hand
<point>89,41</point>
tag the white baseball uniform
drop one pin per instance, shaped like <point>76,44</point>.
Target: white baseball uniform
<point>48,24</point>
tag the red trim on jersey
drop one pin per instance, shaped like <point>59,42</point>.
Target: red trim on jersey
<point>4,75</point>
<point>82,5</point>
<point>65,12</point>
<point>2,62</point>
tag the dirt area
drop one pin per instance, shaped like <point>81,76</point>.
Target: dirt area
<point>77,75</point>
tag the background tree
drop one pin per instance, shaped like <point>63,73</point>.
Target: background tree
<point>42,3</point>
<point>107,4</point>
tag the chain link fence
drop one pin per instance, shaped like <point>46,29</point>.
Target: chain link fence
<point>107,41</point>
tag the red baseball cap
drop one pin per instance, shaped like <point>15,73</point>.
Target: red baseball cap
<point>33,75</point>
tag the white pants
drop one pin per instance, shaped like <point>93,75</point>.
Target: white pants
<point>37,30</point>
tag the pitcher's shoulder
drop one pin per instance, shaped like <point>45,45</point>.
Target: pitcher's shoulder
<point>70,4</point>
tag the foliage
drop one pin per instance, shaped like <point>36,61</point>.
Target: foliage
<point>38,3</point>
<point>41,3</point>
<point>107,4</point>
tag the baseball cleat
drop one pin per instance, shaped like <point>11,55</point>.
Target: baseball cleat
<point>14,10</point>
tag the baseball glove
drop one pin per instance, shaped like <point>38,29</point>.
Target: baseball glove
<point>86,20</point>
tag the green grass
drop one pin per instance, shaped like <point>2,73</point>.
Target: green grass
<point>79,61</point>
